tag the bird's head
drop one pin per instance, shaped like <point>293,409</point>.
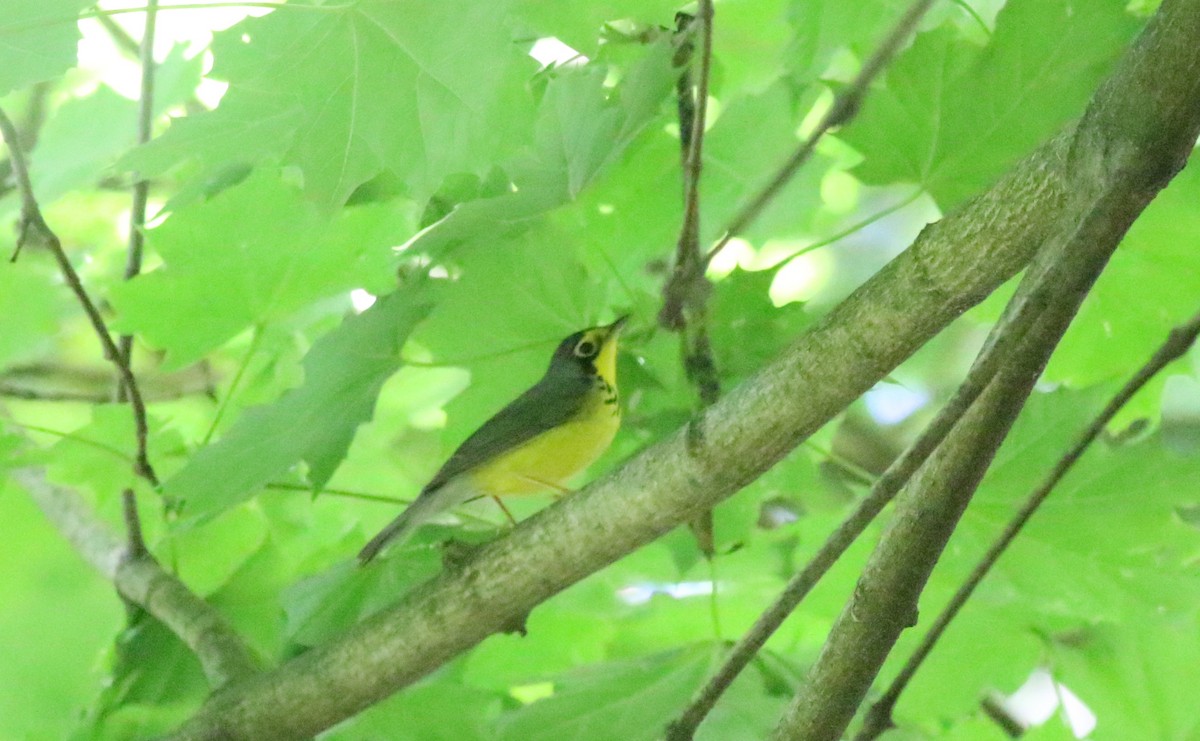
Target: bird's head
<point>591,351</point>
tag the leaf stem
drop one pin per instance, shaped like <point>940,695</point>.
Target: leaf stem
<point>74,438</point>
<point>860,225</point>
<point>223,406</point>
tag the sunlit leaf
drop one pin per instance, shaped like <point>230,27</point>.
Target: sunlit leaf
<point>346,92</point>
<point>255,253</point>
<point>37,41</point>
<point>953,116</point>
<point>343,374</point>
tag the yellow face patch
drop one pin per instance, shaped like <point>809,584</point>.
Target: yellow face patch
<point>606,361</point>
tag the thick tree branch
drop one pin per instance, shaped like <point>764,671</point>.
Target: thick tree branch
<point>1122,168</point>
<point>884,602</point>
<point>879,717</point>
<point>222,653</point>
<point>952,265</point>
<point>1005,338</point>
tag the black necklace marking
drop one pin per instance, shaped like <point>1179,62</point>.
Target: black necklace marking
<point>610,393</point>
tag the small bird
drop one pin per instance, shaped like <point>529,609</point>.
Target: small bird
<point>542,438</point>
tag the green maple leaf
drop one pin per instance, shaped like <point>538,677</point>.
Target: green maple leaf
<point>349,92</point>
<point>1119,325</point>
<point>37,41</point>
<point>254,253</point>
<point>314,422</point>
<point>953,116</point>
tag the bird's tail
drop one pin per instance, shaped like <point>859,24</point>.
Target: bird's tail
<point>428,504</point>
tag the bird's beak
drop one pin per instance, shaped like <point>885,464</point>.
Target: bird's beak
<point>616,326</point>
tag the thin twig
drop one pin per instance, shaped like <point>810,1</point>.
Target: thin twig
<point>685,97</point>
<point>307,488</point>
<point>141,186</point>
<point>31,218</point>
<point>133,525</point>
<point>132,49</point>
<point>17,391</point>
<point>119,35</point>
<point>133,263</point>
<point>845,107</point>
<point>1021,313</point>
<point>1180,339</point>
<point>687,288</point>
<point>695,143</point>
<point>693,320</point>
<point>28,131</point>
<point>14,391</point>
<point>858,226</point>
<point>686,291</point>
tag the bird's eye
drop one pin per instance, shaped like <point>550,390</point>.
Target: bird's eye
<point>585,349</point>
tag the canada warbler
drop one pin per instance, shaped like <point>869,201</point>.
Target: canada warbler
<point>545,436</point>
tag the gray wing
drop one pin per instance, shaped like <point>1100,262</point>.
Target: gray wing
<point>548,404</point>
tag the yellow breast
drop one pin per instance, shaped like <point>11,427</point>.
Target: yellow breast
<point>548,460</point>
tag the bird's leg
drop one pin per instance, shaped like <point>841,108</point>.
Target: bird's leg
<point>503,508</point>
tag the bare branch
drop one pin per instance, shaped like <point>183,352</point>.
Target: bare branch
<point>884,602</point>
<point>141,186</point>
<point>687,289</point>
<point>1023,311</point>
<point>1178,342</point>
<point>119,35</point>
<point>137,222</point>
<point>953,265</point>
<point>29,129</point>
<point>31,218</point>
<point>63,382</point>
<point>223,655</point>
<point>1127,146</point>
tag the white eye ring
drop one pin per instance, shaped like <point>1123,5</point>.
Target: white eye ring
<point>585,349</point>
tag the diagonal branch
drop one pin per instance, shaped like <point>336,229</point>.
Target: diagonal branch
<point>223,654</point>
<point>1180,339</point>
<point>1125,149</point>
<point>1004,339</point>
<point>953,265</point>
<point>31,218</point>
<point>884,602</point>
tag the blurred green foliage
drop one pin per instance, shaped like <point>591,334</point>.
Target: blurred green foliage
<point>492,203</point>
